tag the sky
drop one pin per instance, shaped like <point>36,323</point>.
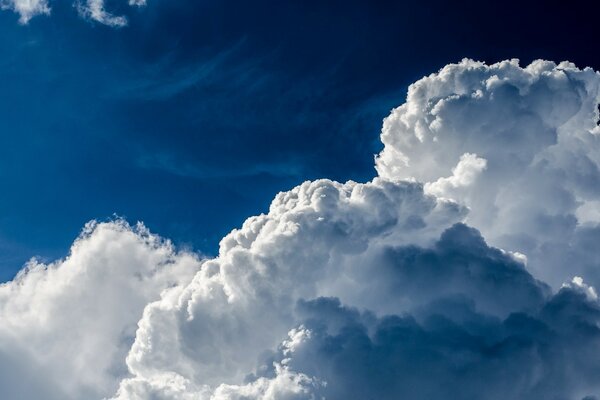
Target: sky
<point>193,115</point>
<point>292,201</point>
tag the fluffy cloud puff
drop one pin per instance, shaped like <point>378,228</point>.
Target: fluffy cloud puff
<point>89,9</point>
<point>316,240</point>
<point>518,146</point>
<point>372,290</point>
<point>67,326</point>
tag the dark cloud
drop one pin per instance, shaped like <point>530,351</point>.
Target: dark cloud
<point>451,347</point>
<point>548,354</point>
<point>460,263</point>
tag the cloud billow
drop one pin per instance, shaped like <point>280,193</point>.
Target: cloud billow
<point>518,146</point>
<point>427,282</point>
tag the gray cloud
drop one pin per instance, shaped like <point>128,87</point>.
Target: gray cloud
<point>450,350</point>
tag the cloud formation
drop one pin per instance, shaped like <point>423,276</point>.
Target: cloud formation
<point>26,9</point>
<point>385,289</point>
<point>93,10</point>
<point>69,324</point>
<point>518,146</point>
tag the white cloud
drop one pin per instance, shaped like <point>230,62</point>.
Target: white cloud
<point>577,283</point>
<point>465,173</point>
<point>26,9</point>
<point>350,290</point>
<point>242,303</point>
<point>537,129</point>
<point>74,320</point>
<point>93,10</point>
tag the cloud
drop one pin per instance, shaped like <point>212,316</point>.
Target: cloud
<point>26,9</point>
<point>393,288</point>
<point>469,322</point>
<point>448,350</point>
<point>94,10</point>
<point>69,324</point>
<point>465,173</point>
<point>90,9</point>
<point>241,303</point>
<point>518,146</point>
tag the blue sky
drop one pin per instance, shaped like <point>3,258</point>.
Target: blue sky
<point>195,114</point>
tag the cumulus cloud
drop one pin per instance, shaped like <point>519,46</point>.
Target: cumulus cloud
<point>449,350</point>
<point>312,243</point>
<point>469,322</point>
<point>385,289</point>
<point>69,324</point>
<point>518,146</point>
<point>465,173</point>
<point>93,10</point>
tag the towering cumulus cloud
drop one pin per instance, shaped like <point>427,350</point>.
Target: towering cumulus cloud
<point>519,147</point>
<point>377,290</point>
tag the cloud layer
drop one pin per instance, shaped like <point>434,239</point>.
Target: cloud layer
<point>385,289</point>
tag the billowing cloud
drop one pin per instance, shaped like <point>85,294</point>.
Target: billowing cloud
<point>426,282</point>
<point>316,241</point>
<point>455,318</point>
<point>69,324</point>
<point>93,10</point>
<point>518,146</point>
<point>446,350</point>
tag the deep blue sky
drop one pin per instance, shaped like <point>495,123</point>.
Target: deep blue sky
<point>193,116</point>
